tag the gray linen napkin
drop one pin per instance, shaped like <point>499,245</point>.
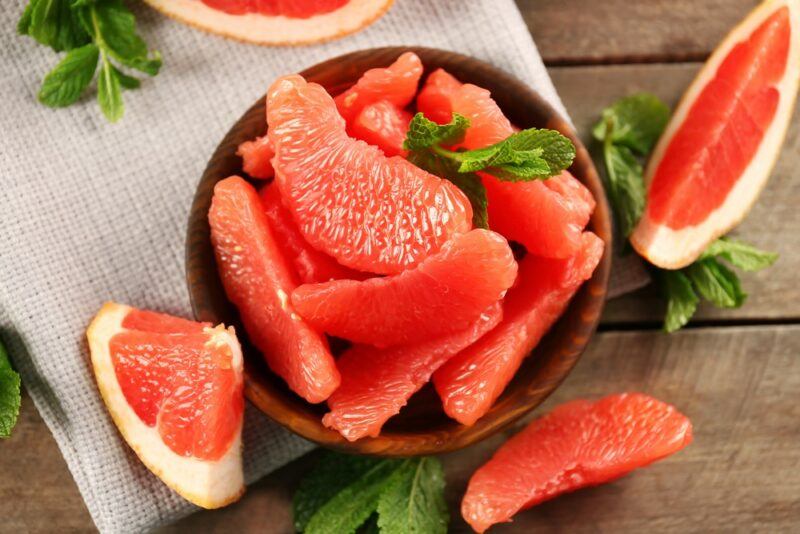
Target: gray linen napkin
<point>91,211</point>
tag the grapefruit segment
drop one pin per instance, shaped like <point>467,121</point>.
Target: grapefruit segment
<point>310,265</point>
<point>257,158</point>
<point>275,22</point>
<point>383,125</point>
<point>719,148</point>
<point>258,281</point>
<point>578,444</point>
<point>472,380</point>
<point>434,100</point>
<point>369,212</point>
<point>377,383</point>
<point>174,389</point>
<point>396,84</point>
<point>443,294</point>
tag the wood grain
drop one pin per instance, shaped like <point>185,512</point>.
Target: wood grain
<point>773,224</point>
<point>574,32</point>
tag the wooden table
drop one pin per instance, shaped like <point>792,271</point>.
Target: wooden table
<point>736,373</point>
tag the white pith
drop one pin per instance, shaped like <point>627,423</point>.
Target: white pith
<point>209,484</point>
<point>275,30</point>
<point>674,249</point>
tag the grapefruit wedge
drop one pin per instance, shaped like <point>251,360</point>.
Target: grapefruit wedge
<point>377,383</point>
<point>383,125</point>
<point>445,293</point>
<point>258,280</point>
<point>719,148</point>
<point>257,158</point>
<point>578,444</point>
<point>174,389</point>
<point>472,380</point>
<point>370,212</point>
<point>275,22</point>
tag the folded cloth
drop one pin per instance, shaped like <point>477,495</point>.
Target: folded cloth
<point>92,211</point>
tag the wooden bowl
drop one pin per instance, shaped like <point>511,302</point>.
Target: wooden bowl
<point>421,427</point>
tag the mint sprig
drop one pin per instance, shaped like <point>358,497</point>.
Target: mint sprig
<point>344,493</point>
<point>100,37</point>
<point>10,397</point>
<point>532,154</point>
<point>628,131</point>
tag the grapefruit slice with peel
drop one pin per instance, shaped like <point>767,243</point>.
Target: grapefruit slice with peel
<point>444,294</point>
<point>719,148</point>
<point>578,444</point>
<point>257,158</point>
<point>370,212</point>
<point>310,265</point>
<point>174,389</point>
<point>275,22</point>
<point>472,380</point>
<point>258,280</point>
<point>383,125</point>
<point>396,84</point>
<point>377,383</point>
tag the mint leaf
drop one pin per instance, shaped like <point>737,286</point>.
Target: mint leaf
<point>117,27</point>
<point>10,397</point>
<point>127,82</point>
<point>745,257</point>
<point>716,283</point>
<point>635,122</point>
<point>109,93</point>
<point>52,23</point>
<point>625,186</point>
<point>424,133</point>
<point>413,499</point>
<point>681,299</point>
<point>67,81</point>
<point>556,150</point>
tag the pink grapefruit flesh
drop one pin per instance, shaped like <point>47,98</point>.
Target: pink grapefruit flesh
<point>383,125</point>
<point>257,158</point>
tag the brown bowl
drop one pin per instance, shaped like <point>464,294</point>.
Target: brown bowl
<point>421,427</point>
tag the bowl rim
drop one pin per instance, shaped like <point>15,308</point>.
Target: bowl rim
<point>581,316</point>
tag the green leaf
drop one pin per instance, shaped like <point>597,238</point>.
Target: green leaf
<point>556,150</point>
<point>24,23</point>
<point>67,81</point>
<point>635,122</point>
<point>424,133</point>
<point>126,81</point>
<point>413,500</point>
<point>53,23</point>
<point>469,184</point>
<point>625,186</point>
<point>739,254</point>
<point>681,299</point>
<point>109,93</point>
<point>10,397</point>
<point>716,283</point>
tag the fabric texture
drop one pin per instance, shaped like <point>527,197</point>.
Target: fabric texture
<point>91,211</point>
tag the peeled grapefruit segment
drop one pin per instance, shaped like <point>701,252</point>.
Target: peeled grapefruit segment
<point>719,148</point>
<point>472,380</point>
<point>275,22</point>
<point>174,389</point>
<point>256,158</point>
<point>369,212</point>
<point>578,444</point>
<point>310,265</point>
<point>384,125</point>
<point>546,216</point>
<point>377,383</point>
<point>258,281</point>
<point>443,294</point>
<point>396,84</point>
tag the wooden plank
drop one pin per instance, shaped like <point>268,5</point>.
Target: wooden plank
<point>621,31</point>
<point>773,224</point>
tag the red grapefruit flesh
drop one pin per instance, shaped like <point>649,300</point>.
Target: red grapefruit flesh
<point>257,158</point>
<point>471,381</point>
<point>396,84</point>
<point>310,265</point>
<point>719,148</point>
<point>174,389</point>
<point>384,125</point>
<point>443,294</point>
<point>369,212</point>
<point>546,216</point>
<point>258,281</point>
<point>377,383</point>
<point>578,444</point>
<point>275,22</point>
